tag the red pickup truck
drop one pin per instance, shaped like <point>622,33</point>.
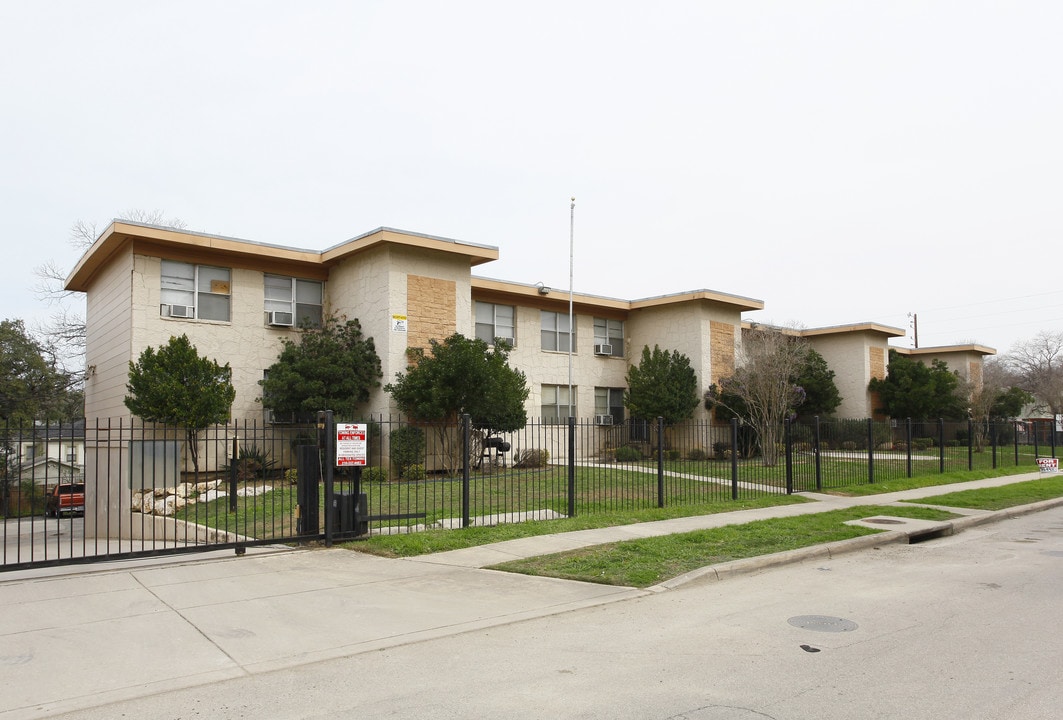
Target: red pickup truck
<point>66,498</point>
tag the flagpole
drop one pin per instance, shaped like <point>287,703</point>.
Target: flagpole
<point>571,325</point>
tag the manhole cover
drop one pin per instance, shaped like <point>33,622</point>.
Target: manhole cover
<point>884,521</point>
<point>822,623</point>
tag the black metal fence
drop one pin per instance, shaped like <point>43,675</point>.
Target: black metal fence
<point>152,489</point>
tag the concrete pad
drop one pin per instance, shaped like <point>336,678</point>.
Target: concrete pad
<point>90,654</point>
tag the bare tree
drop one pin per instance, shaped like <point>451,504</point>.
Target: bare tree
<point>66,329</point>
<point>1038,363</point>
<point>761,392</point>
<point>998,397</point>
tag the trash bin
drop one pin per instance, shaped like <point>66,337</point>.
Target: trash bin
<point>348,513</point>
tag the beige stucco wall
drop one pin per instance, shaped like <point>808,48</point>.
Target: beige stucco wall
<point>688,328</point>
<point>246,343</point>
<point>374,287</point>
<point>108,315</point>
<point>849,355</point>
<point>965,363</point>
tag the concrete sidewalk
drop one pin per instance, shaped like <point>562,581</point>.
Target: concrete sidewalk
<point>82,637</point>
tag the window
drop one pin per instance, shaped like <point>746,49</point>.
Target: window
<point>608,337</point>
<point>195,291</point>
<point>555,408</point>
<point>72,456</point>
<point>556,331</point>
<point>495,321</point>
<point>297,301</point>
<point>609,403</point>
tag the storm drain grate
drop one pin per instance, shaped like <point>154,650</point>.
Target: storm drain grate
<point>822,623</point>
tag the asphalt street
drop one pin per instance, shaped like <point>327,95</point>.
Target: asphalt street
<point>964,626</point>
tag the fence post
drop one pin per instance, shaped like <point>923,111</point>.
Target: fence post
<point>970,444</point>
<point>734,458</point>
<point>466,446</point>
<point>327,423</point>
<point>870,450</point>
<point>788,440</point>
<point>1015,441</point>
<point>908,443</point>
<point>660,462</point>
<point>571,466</point>
<point>993,442</point>
<point>819,462</point>
<point>233,466</point>
<point>941,445</point>
<point>1052,434</point>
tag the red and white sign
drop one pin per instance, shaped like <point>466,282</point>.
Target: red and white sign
<point>1048,465</point>
<point>350,444</point>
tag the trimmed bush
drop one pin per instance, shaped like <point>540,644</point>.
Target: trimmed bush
<point>672,455</point>
<point>415,472</point>
<point>375,474</point>
<point>697,454</point>
<point>628,453</point>
<point>531,458</point>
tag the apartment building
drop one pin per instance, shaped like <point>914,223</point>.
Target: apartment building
<point>237,299</point>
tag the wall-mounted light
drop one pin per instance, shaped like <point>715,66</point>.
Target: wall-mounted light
<point>543,290</point>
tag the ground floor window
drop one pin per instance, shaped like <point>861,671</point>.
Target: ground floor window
<point>556,406</point>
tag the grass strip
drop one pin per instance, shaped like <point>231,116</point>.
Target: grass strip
<point>921,481</point>
<point>433,541</point>
<point>648,561</point>
<point>998,498</point>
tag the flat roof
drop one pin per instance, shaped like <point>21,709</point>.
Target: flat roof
<point>120,233</point>
<point>944,349</point>
<point>865,327</point>
<point>543,293</point>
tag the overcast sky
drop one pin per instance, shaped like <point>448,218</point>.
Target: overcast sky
<point>841,161</point>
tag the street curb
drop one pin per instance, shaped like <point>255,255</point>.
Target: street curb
<point>826,551</point>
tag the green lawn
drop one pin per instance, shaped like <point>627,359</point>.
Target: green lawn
<point>641,563</point>
<point>1006,496</point>
<point>605,495</point>
<point>648,561</point>
<point>431,541</point>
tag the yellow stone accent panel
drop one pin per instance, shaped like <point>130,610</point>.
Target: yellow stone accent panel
<point>974,374</point>
<point>431,310</point>
<point>722,350</point>
<point>878,363</point>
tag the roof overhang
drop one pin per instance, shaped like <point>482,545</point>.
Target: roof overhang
<point>870,328</point>
<point>476,254</point>
<point>202,247</point>
<point>945,349</point>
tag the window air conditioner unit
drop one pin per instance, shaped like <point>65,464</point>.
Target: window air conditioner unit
<point>181,311</point>
<point>506,340</point>
<point>281,319</point>
<point>603,419</point>
<point>603,349</point>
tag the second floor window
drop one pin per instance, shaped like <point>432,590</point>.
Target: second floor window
<point>195,291</point>
<point>495,321</point>
<point>556,331</point>
<point>292,301</point>
<point>609,337</point>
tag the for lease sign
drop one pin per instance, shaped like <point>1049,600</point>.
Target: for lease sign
<point>350,444</point>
